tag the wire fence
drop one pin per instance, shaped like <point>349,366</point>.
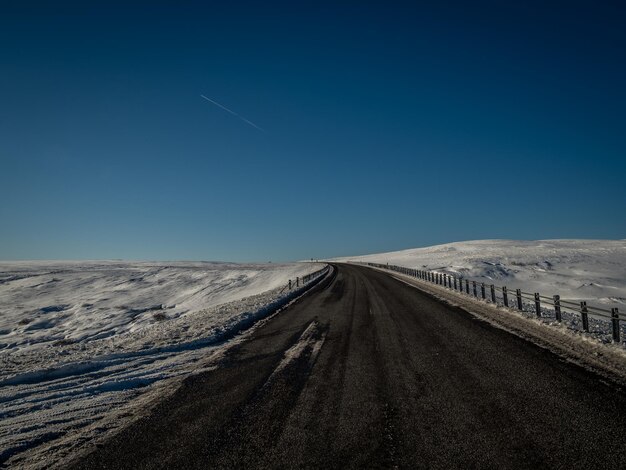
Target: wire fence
<point>589,318</point>
<point>306,279</point>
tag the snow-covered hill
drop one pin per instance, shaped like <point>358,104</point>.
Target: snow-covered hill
<point>592,270</point>
<point>82,342</point>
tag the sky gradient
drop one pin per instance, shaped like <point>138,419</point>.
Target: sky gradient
<point>383,127</point>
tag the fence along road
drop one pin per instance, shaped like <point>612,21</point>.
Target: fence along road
<point>366,371</point>
<point>523,301</point>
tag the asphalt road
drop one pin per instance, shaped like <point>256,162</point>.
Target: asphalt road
<point>367,371</point>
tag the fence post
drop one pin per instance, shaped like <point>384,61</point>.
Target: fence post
<point>518,292</point>
<point>467,286</point>
<point>557,307</point>
<point>493,293</point>
<point>482,289</point>
<point>297,281</point>
<point>584,313</point>
<point>289,284</point>
<point>474,288</point>
<point>615,322</point>
<point>505,296</point>
<point>537,304</point>
<point>455,287</point>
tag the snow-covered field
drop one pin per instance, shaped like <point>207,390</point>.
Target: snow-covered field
<point>80,340</point>
<point>591,270</point>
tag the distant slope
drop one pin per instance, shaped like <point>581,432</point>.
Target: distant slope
<point>575,269</point>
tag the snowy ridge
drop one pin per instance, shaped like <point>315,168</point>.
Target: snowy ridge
<point>50,388</point>
<point>591,270</point>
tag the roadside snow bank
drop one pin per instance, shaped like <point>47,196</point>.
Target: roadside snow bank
<point>104,345</point>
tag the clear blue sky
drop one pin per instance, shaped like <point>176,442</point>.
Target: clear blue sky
<point>386,127</point>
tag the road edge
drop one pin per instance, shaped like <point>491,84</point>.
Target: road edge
<point>605,360</point>
<point>147,402</point>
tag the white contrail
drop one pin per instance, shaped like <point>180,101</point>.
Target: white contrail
<point>233,113</point>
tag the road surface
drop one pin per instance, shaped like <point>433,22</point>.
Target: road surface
<point>366,371</point>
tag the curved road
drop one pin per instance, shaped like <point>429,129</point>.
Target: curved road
<point>366,371</point>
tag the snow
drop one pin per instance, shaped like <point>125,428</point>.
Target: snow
<point>82,343</point>
<point>591,270</point>
<point>67,302</point>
